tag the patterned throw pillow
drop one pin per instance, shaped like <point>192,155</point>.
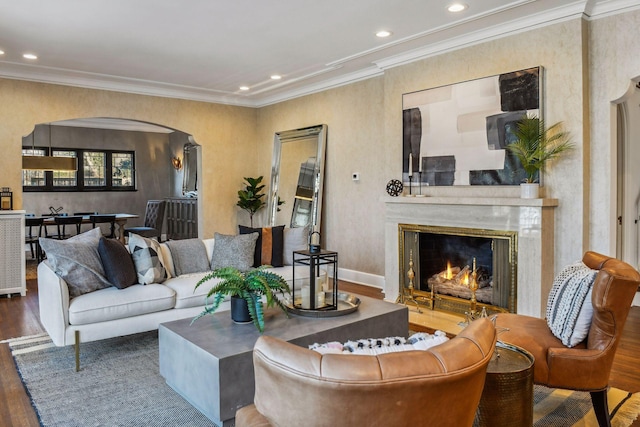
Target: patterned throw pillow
<point>569,308</point>
<point>233,251</point>
<point>76,260</point>
<point>147,259</point>
<point>269,246</point>
<point>117,262</point>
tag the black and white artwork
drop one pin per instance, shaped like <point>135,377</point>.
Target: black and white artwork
<point>458,134</point>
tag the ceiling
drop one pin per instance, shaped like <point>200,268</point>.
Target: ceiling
<point>206,49</point>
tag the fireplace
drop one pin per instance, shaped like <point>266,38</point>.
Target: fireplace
<point>458,269</point>
<point>529,221</point>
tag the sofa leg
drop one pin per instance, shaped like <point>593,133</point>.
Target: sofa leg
<point>77,348</point>
<point>601,407</point>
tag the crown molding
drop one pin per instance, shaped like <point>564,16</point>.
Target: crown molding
<point>585,9</point>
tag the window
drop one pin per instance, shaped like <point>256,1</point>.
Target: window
<point>31,178</point>
<point>65,178</point>
<point>98,170</point>
<point>94,165</point>
<point>121,169</point>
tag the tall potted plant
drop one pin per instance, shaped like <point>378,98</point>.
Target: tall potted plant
<point>535,145</point>
<point>250,198</point>
<point>246,290</point>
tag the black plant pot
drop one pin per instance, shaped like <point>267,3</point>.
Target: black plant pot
<point>240,310</point>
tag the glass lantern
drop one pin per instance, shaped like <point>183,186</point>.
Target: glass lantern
<point>315,280</point>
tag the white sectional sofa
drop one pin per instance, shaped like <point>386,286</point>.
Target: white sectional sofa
<point>112,312</point>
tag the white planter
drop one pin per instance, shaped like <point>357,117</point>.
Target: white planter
<point>529,191</point>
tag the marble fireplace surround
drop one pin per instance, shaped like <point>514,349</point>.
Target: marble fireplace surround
<point>532,219</point>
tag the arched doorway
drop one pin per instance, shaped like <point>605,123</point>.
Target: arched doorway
<point>157,175</point>
<point>628,176</point>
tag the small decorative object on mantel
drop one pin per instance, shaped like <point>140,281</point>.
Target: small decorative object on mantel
<point>535,145</point>
<point>6,199</point>
<point>394,187</point>
<point>246,290</point>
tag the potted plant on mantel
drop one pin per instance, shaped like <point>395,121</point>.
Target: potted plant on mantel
<point>250,199</point>
<point>535,145</point>
<point>246,290</point>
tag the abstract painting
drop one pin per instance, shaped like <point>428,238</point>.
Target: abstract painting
<point>458,134</point>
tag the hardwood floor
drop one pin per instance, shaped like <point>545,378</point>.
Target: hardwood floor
<point>19,317</point>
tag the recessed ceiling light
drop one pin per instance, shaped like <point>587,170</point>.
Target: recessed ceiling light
<point>244,87</point>
<point>276,77</point>
<point>457,7</point>
<point>29,56</point>
<point>383,33</point>
<point>1,52</point>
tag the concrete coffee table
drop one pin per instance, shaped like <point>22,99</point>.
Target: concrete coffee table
<point>210,363</point>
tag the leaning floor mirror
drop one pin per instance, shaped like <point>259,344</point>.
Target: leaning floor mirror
<point>297,175</point>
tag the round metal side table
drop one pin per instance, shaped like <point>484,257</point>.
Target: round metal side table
<point>507,397</point>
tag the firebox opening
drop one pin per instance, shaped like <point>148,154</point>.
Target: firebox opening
<point>442,260</point>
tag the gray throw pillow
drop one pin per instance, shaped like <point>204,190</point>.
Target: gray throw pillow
<point>76,260</point>
<point>295,239</point>
<point>117,263</point>
<point>189,256</point>
<point>147,258</point>
<point>233,251</point>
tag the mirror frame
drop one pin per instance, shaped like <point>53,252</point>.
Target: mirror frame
<point>320,132</point>
<point>190,158</point>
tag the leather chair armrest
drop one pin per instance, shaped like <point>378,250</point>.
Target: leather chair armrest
<point>583,368</point>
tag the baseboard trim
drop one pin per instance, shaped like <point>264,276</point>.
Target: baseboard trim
<point>360,278</point>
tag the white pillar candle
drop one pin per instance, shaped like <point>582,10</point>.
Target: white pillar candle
<point>306,297</point>
<point>320,299</point>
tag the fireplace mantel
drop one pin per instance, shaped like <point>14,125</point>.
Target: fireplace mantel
<point>532,219</point>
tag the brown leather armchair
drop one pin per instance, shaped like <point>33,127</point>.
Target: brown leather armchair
<point>585,367</point>
<point>440,386</point>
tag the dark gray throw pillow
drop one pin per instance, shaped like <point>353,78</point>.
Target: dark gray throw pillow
<point>117,263</point>
<point>76,260</point>
<point>189,256</point>
<point>233,251</point>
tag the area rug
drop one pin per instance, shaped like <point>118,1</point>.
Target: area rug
<point>120,385</point>
<point>557,407</point>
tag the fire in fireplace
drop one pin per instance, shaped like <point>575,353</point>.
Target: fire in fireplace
<point>454,269</point>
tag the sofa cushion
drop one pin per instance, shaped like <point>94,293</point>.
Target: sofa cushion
<point>147,258</point>
<point>113,303</point>
<point>569,307</point>
<point>188,256</point>
<point>184,288</point>
<point>117,263</point>
<point>269,245</point>
<point>295,239</point>
<point>77,261</point>
<point>233,251</point>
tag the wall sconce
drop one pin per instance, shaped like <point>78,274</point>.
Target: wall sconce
<point>177,163</point>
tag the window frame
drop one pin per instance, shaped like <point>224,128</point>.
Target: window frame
<point>80,187</point>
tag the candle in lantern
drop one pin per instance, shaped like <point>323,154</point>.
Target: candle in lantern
<point>320,299</point>
<point>306,297</point>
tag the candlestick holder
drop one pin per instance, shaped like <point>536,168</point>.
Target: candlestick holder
<point>411,276</point>
<point>410,185</point>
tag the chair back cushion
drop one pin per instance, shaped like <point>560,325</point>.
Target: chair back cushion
<point>154,214</point>
<point>614,287</point>
<point>440,386</point>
